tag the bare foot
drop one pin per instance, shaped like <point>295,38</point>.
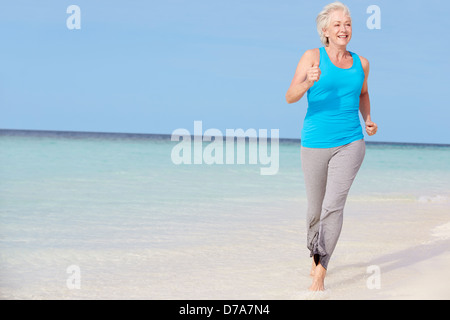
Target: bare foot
<point>318,278</point>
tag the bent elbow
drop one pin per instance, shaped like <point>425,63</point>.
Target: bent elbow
<point>289,99</point>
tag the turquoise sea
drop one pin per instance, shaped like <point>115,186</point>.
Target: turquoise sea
<point>139,226</point>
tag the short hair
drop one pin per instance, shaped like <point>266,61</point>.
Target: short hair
<point>323,18</point>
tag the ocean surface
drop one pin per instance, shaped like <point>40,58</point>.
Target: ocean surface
<point>97,215</point>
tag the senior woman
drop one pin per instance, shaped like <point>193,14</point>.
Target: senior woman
<point>332,140</point>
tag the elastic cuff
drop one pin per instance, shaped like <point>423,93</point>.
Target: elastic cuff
<point>322,259</point>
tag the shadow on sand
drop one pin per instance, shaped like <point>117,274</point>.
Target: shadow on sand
<point>393,261</point>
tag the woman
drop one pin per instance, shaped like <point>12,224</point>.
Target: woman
<point>332,141</point>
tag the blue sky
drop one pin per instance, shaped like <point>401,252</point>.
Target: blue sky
<point>155,66</point>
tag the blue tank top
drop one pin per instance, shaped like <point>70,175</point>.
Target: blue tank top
<point>332,118</point>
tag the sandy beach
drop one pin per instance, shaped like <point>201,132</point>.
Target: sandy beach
<point>408,241</point>
<point>409,244</point>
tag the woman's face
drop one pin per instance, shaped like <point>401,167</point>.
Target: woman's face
<point>339,32</point>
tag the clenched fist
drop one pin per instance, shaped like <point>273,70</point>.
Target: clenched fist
<point>313,74</point>
<point>371,128</point>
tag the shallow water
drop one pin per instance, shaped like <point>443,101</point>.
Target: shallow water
<point>138,226</point>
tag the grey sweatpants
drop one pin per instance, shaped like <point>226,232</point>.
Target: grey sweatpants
<point>328,174</point>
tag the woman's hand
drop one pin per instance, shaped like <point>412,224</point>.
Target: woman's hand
<point>313,74</point>
<point>371,127</point>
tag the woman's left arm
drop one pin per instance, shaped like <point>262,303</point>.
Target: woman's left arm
<point>364,101</point>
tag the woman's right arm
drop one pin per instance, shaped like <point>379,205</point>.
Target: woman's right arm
<point>306,74</point>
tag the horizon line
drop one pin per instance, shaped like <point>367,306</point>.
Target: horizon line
<point>168,135</point>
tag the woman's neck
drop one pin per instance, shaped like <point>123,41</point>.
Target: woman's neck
<point>340,52</point>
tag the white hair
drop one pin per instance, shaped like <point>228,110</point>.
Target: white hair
<point>323,18</point>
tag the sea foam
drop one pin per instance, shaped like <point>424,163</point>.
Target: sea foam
<point>433,199</point>
<point>441,232</point>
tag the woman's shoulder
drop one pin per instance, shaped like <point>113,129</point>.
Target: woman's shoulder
<point>312,55</point>
<point>364,62</point>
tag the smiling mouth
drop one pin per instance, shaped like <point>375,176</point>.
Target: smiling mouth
<point>343,37</point>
